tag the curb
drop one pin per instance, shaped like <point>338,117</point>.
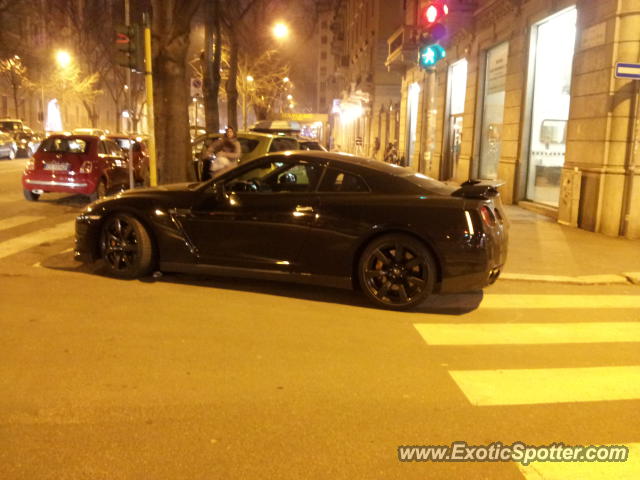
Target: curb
<point>610,279</point>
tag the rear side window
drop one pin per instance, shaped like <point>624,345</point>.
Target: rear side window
<point>64,145</point>
<point>248,145</point>
<point>283,144</point>
<point>340,181</point>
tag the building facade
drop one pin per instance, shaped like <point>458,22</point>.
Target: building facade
<point>366,87</point>
<point>527,95</point>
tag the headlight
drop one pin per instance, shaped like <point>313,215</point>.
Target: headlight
<point>30,165</point>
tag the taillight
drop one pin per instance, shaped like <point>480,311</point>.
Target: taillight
<point>86,167</point>
<point>487,215</point>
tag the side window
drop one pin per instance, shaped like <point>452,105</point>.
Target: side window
<point>339,181</point>
<point>248,145</point>
<point>283,144</point>
<point>277,177</point>
<point>102,148</point>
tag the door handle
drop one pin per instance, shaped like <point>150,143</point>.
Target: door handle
<point>304,209</point>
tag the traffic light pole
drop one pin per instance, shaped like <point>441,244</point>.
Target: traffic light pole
<point>148,77</point>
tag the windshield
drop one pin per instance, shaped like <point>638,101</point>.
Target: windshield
<point>123,143</point>
<point>64,145</point>
<point>10,126</point>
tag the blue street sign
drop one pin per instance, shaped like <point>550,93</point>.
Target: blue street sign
<point>628,70</point>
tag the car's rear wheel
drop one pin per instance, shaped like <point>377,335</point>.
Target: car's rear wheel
<point>100,191</point>
<point>396,271</point>
<point>31,196</point>
<point>126,247</point>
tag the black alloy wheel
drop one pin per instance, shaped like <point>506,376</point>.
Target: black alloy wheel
<point>396,271</point>
<point>125,247</point>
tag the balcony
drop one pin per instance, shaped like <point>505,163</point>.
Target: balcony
<point>402,48</point>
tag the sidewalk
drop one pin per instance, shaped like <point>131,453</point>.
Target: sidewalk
<point>542,250</point>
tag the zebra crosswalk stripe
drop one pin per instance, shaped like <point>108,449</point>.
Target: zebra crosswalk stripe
<point>16,221</point>
<point>629,470</point>
<point>548,385</point>
<point>30,240</point>
<point>519,302</point>
<point>528,333</point>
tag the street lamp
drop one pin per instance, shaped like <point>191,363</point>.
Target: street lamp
<point>285,80</point>
<point>280,31</point>
<point>63,58</point>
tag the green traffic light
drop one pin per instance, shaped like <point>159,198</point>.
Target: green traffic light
<point>431,54</point>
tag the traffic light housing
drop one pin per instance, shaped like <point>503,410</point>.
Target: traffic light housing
<point>130,46</point>
<point>432,17</point>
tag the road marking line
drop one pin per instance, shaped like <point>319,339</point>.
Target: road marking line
<point>519,302</point>
<point>527,333</point>
<point>30,240</point>
<point>548,385</point>
<point>629,470</point>
<point>605,279</point>
<point>7,223</point>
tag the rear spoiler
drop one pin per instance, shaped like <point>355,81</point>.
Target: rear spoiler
<point>478,189</point>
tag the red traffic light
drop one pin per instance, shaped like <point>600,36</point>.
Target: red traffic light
<point>434,11</point>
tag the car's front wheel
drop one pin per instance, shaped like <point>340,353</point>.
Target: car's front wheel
<point>126,247</point>
<point>396,271</point>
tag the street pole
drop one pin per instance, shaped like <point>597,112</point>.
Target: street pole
<point>244,102</point>
<point>127,20</point>
<point>148,77</point>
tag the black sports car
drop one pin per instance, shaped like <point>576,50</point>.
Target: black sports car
<point>313,217</point>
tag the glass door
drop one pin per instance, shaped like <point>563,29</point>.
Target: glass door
<point>554,41</point>
<point>493,111</point>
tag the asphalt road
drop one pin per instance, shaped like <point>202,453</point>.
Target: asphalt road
<point>200,378</point>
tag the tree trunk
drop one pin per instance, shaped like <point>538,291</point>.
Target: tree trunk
<point>91,113</point>
<point>15,100</point>
<point>232,82</point>
<point>171,28</point>
<point>211,65</point>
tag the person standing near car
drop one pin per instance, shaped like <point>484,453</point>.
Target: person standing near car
<point>226,150</point>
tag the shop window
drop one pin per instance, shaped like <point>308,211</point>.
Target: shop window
<point>553,47</point>
<point>493,111</point>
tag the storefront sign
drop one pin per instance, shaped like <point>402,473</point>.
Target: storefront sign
<point>497,70</point>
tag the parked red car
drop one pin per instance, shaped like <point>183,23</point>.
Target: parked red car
<point>84,164</point>
<point>139,153</point>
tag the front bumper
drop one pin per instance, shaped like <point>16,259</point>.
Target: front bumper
<point>87,238</point>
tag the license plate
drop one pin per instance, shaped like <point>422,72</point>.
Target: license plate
<point>57,167</point>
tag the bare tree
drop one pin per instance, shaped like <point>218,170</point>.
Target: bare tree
<point>171,25</point>
<point>267,88</point>
<point>15,74</point>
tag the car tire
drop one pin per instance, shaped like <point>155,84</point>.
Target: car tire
<point>100,191</point>
<point>126,249</point>
<point>30,196</point>
<point>396,271</point>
